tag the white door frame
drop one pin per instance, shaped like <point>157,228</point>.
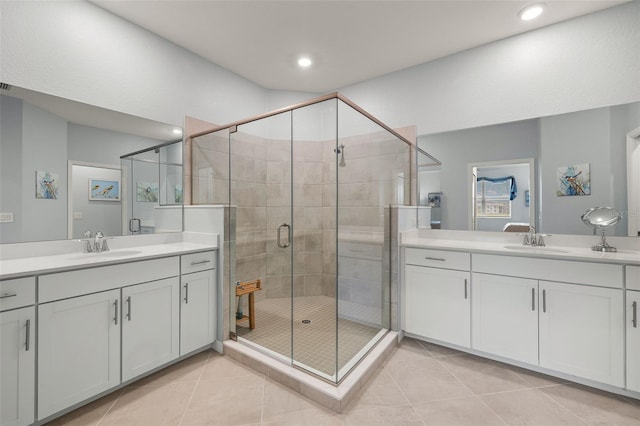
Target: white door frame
<point>471,194</point>
<point>633,182</point>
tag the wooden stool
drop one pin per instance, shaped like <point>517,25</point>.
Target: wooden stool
<point>248,287</point>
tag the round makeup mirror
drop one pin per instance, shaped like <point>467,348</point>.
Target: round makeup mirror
<point>602,218</point>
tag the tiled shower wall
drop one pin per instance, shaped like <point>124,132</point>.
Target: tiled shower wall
<point>375,175</point>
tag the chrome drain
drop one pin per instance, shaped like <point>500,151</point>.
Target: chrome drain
<point>306,321</point>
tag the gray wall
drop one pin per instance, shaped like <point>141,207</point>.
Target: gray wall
<point>458,149</point>
<point>32,140</point>
<point>95,145</point>
<point>597,137</point>
<point>97,216</point>
<point>11,167</point>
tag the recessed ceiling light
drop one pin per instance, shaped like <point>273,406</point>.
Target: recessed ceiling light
<point>531,12</point>
<point>304,62</point>
<point>177,131</point>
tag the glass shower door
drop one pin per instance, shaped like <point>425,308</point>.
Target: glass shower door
<point>314,187</point>
<point>260,193</point>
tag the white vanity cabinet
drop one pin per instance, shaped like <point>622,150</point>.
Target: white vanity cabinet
<point>198,301</point>
<point>17,351</point>
<point>579,320</point>
<point>85,314</point>
<point>581,331</point>
<point>505,316</point>
<point>78,349</point>
<point>633,328</point>
<point>633,340</point>
<point>437,299</point>
<point>150,330</point>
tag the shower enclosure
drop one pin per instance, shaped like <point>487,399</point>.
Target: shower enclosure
<point>308,191</point>
<point>152,190</point>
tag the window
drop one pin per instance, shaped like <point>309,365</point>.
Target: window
<point>493,197</point>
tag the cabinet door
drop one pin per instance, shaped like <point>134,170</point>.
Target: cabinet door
<point>581,331</point>
<point>633,340</point>
<point>17,367</point>
<point>150,326</point>
<point>505,317</point>
<point>78,349</point>
<point>198,311</point>
<point>438,304</point>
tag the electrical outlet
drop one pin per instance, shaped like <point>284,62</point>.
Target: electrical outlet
<point>6,217</point>
<point>78,215</point>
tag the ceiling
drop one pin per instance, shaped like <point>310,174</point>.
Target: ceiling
<point>349,41</point>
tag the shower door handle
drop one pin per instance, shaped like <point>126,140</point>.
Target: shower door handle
<point>280,243</point>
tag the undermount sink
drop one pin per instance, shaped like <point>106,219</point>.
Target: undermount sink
<point>540,249</point>
<point>114,253</point>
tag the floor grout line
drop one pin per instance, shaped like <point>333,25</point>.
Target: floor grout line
<point>563,407</point>
<point>193,391</point>
<point>384,367</point>
<point>111,406</point>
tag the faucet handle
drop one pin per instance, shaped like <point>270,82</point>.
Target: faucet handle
<point>88,248</point>
<point>541,239</point>
<point>87,233</point>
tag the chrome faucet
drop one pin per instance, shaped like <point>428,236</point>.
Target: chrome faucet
<point>97,244</point>
<point>88,247</point>
<point>530,238</point>
<point>534,240</point>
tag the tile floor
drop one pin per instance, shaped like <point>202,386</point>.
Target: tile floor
<point>315,342</point>
<point>420,384</point>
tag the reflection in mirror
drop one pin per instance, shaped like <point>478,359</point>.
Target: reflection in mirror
<point>601,218</point>
<point>596,137</point>
<point>47,138</point>
<point>152,181</point>
<point>430,196</point>
<point>502,196</point>
<point>88,184</point>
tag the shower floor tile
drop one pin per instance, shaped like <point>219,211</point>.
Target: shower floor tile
<point>314,343</point>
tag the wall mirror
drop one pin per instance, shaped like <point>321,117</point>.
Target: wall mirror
<point>61,169</point>
<point>587,149</point>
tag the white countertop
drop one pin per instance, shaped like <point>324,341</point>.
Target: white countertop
<point>25,266</point>
<point>497,246</point>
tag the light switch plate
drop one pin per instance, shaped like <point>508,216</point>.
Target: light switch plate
<point>6,217</point>
<point>78,215</point>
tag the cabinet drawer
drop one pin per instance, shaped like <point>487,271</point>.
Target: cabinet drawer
<point>598,274</point>
<point>17,293</point>
<point>633,277</point>
<point>197,262</point>
<point>92,280</point>
<point>437,258</point>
